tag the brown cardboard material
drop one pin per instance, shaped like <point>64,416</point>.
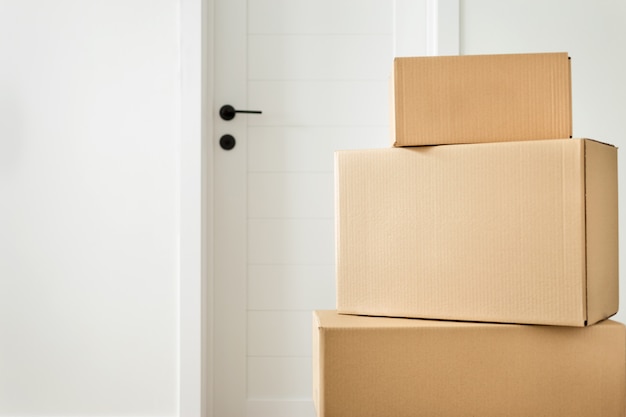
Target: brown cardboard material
<point>380,367</point>
<point>509,232</point>
<point>480,98</point>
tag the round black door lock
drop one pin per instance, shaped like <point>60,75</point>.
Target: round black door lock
<point>227,142</point>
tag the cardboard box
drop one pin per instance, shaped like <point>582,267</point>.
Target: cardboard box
<point>381,367</point>
<point>510,232</point>
<point>481,98</point>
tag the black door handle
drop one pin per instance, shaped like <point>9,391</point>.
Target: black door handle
<point>228,112</point>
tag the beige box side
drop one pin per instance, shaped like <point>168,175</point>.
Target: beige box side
<point>602,230</point>
<point>481,98</point>
<point>317,359</point>
<point>392,107</point>
<point>379,367</point>
<point>485,232</point>
<point>566,114</point>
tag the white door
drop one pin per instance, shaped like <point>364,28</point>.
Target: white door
<point>319,72</point>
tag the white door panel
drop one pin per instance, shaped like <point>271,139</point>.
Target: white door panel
<point>321,17</point>
<point>319,71</point>
<point>290,241</point>
<point>320,102</point>
<point>279,333</point>
<point>272,377</point>
<point>290,287</point>
<point>261,408</point>
<point>290,194</point>
<point>306,149</point>
<point>343,57</point>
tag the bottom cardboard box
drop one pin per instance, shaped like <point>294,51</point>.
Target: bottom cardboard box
<point>391,367</point>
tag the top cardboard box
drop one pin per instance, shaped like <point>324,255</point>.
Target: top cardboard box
<point>480,98</point>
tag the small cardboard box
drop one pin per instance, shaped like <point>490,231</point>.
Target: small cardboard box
<point>509,232</point>
<point>381,367</point>
<point>480,98</point>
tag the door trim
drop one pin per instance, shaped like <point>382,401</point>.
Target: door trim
<point>195,202</point>
<point>434,23</point>
<point>443,27</point>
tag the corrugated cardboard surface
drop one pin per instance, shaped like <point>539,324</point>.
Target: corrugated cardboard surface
<point>481,98</point>
<point>494,232</point>
<point>381,367</point>
<point>602,230</point>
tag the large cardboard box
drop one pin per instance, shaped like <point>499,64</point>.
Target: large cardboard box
<point>480,98</point>
<point>511,232</point>
<point>381,367</point>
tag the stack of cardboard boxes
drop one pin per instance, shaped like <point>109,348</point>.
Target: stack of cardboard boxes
<point>477,258</point>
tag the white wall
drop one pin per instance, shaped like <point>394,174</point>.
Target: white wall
<point>594,34</point>
<point>89,207</point>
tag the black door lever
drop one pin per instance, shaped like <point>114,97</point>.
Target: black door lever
<point>228,112</point>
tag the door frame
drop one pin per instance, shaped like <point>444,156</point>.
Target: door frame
<point>196,243</point>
